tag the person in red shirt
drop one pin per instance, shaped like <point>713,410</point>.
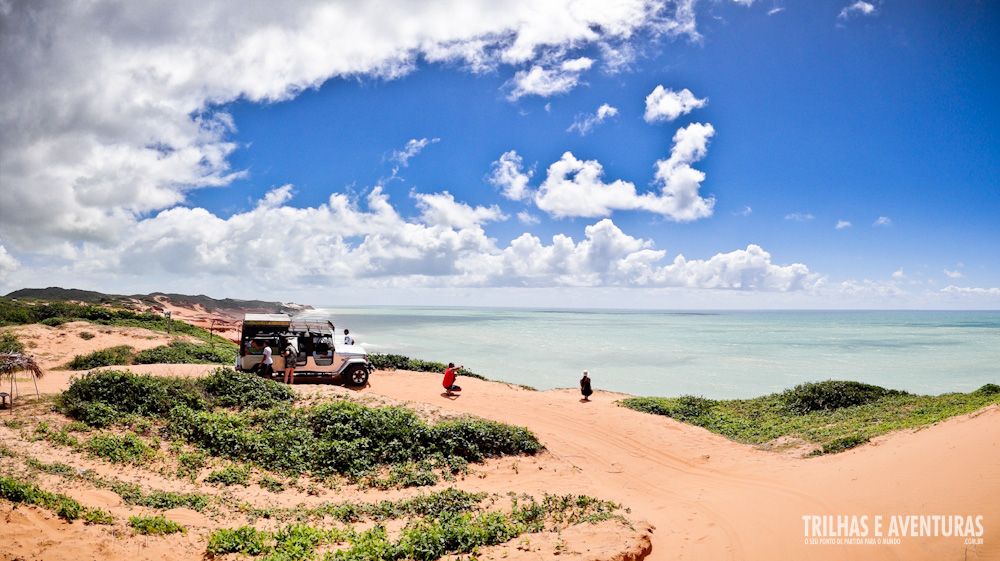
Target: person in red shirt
<point>449,378</point>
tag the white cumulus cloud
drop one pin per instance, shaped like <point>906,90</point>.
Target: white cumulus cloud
<point>679,182</point>
<point>369,244</point>
<point>841,224</point>
<point>953,274</point>
<point>584,123</point>
<point>412,148</point>
<point>7,261</point>
<point>574,187</point>
<point>799,217</point>
<point>666,105</point>
<point>543,82</point>
<point>441,209</point>
<point>527,218</point>
<point>994,291</point>
<point>509,175</point>
<point>882,221</point>
<point>110,109</point>
<point>859,8</point>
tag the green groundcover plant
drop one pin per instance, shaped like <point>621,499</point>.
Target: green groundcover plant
<point>265,429</point>
<point>450,522</point>
<point>65,507</point>
<point>177,352</point>
<point>836,415</point>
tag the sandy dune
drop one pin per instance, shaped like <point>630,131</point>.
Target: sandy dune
<point>709,498</point>
<point>706,497</point>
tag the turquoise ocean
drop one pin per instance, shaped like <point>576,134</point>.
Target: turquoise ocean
<point>713,354</point>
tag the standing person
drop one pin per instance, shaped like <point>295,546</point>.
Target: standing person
<point>585,386</point>
<point>267,365</point>
<point>348,340</point>
<point>449,379</point>
<point>290,355</point>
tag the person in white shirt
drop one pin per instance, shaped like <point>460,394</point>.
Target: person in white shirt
<point>267,365</point>
<point>348,340</point>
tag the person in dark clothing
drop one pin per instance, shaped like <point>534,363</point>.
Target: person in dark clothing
<point>290,356</point>
<point>585,386</point>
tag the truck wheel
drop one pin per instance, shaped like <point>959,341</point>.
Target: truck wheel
<point>357,375</point>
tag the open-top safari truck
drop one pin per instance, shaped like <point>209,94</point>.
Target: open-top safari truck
<point>317,358</point>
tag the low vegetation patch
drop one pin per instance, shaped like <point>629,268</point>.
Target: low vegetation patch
<point>56,313</point>
<point>20,492</point>
<point>344,438</point>
<point>232,475</point>
<point>104,397</point>
<point>130,493</point>
<point>338,438</point>
<point>451,522</point>
<point>835,415</point>
<point>178,352</point>
<point>123,449</point>
<point>9,343</point>
<point>154,525</point>
<point>111,356</point>
<point>229,388</point>
<point>399,362</point>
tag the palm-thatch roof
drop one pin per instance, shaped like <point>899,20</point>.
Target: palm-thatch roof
<point>16,362</point>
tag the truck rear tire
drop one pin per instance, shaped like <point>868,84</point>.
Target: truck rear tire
<point>356,375</point>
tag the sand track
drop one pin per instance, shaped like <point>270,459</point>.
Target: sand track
<point>707,497</point>
<point>710,498</point>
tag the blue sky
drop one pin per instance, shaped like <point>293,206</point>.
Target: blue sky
<point>592,154</point>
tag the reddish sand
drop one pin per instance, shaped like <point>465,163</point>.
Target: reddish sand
<point>704,496</point>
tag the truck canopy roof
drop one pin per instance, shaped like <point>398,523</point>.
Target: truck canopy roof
<point>274,320</point>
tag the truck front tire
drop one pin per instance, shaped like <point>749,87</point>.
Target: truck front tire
<point>356,375</point>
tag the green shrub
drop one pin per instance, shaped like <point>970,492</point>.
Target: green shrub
<point>9,343</point>
<point>120,355</point>
<point>54,322</point>
<point>86,335</point>
<point>98,516</point>
<point>399,362</point>
<point>189,464</point>
<point>651,405</point>
<point>245,539</point>
<point>180,352</point>
<point>127,449</point>
<point>164,500</point>
<point>231,475</point>
<point>229,388</point>
<point>844,443</point>
<point>271,484</point>
<point>127,393</point>
<point>831,395</point>
<point>154,525</point>
<point>687,408</point>
<point>96,414</point>
<point>19,492</point>
<point>988,389</point>
<point>332,438</point>
<point>411,474</point>
<point>427,540</point>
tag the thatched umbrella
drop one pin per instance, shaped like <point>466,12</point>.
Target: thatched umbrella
<point>11,363</point>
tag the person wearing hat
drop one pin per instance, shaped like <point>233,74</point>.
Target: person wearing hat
<point>585,386</point>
